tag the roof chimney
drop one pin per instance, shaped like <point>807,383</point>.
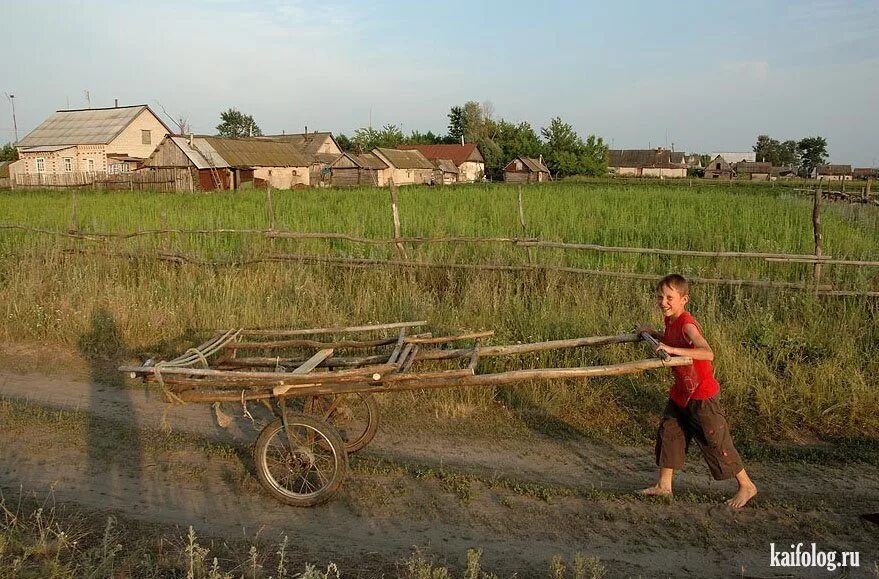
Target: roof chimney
<point>115,103</point>
<point>190,139</point>
<point>306,130</point>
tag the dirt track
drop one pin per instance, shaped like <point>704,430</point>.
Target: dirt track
<point>442,494</point>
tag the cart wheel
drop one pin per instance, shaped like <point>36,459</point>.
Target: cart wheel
<point>303,465</point>
<point>355,416</point>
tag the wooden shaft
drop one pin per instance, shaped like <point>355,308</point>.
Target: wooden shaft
<point>309,344</point>
<point>515,349</point>
<point>654,343</point>
<point>453,382</point>
<point>447,339</point>
<point>338,330</point>
<point>335,362</point>
<point>816,230</point>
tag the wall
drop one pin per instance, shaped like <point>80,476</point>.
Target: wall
<point>664,173</point>
<point>282,177</point>
<point>471,171</point>
<point>129,141</point>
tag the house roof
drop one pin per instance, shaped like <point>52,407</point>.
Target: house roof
<point>834,169</point>
<point>749,167</point>
<point>738,157</point>
<point>865,172</point>
<point>446,166</point>
<point>84,127</point>
<point>365,161</point>
<point>533,165</point>
<point>693,161</point>
<point>657,158</point>
<point>256,152</point>
<point>458,154</point>
<point>308,142</point>
<point>201,153</point>
<point>404,159</point>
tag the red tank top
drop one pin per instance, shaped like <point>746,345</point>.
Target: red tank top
<point>694,382</point>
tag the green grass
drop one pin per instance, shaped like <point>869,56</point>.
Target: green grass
<point>792,367</point>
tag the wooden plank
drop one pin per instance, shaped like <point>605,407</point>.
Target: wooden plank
<point>312,362</point>
<point>310,344</point>
<point>336,330</point>
<point>449,339</point>
<point>517,349</point>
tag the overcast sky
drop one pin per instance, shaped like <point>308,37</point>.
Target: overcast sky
<point>704,76</point>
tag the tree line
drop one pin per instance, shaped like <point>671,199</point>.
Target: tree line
<point>804,155</point>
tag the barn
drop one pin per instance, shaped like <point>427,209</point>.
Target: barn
<point>718,168</point>
<point>222,163</point>
<point>756,171</point>
<point>350,170</point>
<point>526,170</point>
<point>661,163</point>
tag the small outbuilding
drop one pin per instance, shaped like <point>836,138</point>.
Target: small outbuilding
<point>834,172</point>
<point>526,170</point>
<point>468,161</point>
<point>351,170</point>
<point>753,171</point>
<point>718,168</point>
<point>446,172</point>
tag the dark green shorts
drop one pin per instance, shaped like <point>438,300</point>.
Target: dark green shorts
<point>702,420</point>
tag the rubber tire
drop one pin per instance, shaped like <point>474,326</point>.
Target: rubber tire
<point>373,414</point>
<point>331,434</point>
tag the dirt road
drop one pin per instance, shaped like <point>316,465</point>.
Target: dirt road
<point>522,499</point>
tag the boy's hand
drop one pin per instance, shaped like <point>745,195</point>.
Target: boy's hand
<point>664,348</point>
<point>643,329</point>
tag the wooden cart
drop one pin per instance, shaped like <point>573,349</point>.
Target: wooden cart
<point>325,403</point>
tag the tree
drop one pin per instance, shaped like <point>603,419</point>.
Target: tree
<point>775,152</point>
<point>567,154</point>
<point>237,124</point>
<point>368,138</point>
<point>8,153</point>
<point>345,143</point>
<point>813,152</point>
<point>515,140</point>
<point>419,138</point>
<point>456,123</point>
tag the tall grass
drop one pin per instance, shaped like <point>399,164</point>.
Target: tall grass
<point>791,366</point>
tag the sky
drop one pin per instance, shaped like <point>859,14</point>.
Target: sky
<point>702,76</point>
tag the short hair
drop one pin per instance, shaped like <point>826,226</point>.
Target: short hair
<point>676,282</point>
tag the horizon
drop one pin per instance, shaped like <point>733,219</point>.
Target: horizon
<point>638,76</point>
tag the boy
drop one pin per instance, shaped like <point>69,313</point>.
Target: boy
<point>692,410</point>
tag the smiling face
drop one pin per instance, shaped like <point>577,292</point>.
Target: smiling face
<point>671,301</point>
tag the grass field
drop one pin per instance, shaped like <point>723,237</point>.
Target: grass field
<point>792,367</point>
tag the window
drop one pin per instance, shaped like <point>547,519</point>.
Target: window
<point>114,168</point>
<point>518,165</point>
<point>41,164</point>
<point>718,167</point>
<point>91,164</point>
<point>146,137</point>
<point>68,164</point>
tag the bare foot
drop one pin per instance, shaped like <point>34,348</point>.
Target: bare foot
<point>741,498</point>
<point>656,490</point>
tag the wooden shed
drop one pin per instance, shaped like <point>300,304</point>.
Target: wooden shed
<point>350,170</point>
<point>446,172</point>
<point>718,168</point>
<point>753,171</point>
<point>526,170</point>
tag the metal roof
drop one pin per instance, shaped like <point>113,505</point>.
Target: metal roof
<point>83,127</point>
<point>404,159</point>
<point>201,153</point>
<point>733,158</point>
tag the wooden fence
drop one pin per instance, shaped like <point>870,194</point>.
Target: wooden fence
<point>818,259</point>
<point>165,180</point>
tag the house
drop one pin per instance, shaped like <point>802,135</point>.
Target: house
<point>321,148</point>
<point>865,173</point>
<point>405,167</point>
<point>466,157</point>
<point>111,140</point>
<point>526,170</point>
<point>661,163</point>
<point>753,171</point>
<point>718,168</point>
<point>446,172</point>
<point>224,163</point>
<point>350,170</point>
<point>736,157</point>
<point>834,172</point>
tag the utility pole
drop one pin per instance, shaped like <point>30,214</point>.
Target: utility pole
<point>11,98</point>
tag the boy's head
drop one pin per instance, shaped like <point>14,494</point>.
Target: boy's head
<point>672,294</point>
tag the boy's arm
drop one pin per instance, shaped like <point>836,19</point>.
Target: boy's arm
<point>700,350</point>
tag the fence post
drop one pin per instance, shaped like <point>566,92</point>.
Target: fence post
<point>819,238</point>
<point>73,228</point>
<point>166,236</point>
<point>395,214</point>
<point>522,223</point>
<point>270,208</point>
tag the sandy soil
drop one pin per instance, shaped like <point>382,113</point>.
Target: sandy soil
<point>382,513</point>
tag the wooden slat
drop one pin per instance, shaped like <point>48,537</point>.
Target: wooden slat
<point>312,362</point>
<point>338,330</point>
<point>449,339</point>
